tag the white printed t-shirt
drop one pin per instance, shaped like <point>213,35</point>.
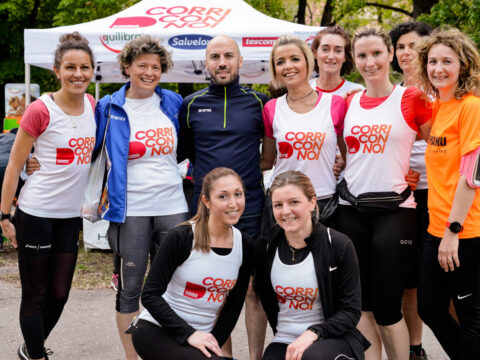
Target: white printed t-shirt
<point>199,287</point>
<point>344,87</point>
<point>63,147</point>
<point>307,142</point>
<point>154,185</point>
<point>298,298</point>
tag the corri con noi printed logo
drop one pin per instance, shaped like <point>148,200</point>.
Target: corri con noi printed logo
<point>116,41</point>
<point>216,289</point>
<point>79,148</point>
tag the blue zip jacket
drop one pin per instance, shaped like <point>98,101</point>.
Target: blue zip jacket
<point>222,126</point>
<point>113,205</point>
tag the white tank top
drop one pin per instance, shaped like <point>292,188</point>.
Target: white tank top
<point>199,287</point>
<point>417,162</point>
<point>307,143</point>
<point>379,143</point>
<point>64,152</point>
<point>298,299</point>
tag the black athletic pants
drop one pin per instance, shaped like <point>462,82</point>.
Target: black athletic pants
<point>461,341</point>
<point>47,254</point>
<point>326,349</point>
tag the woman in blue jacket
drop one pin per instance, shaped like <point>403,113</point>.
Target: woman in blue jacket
<point>143,196</point>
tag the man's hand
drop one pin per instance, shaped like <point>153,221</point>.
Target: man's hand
<point>32,165</point>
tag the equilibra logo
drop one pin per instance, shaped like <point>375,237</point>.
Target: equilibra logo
<point>258,41</point>
<point>195,17</point>
<point>115,42</point>
<point>189,41</point>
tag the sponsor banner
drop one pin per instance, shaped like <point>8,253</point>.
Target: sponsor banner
<point>258,41</point>
<point>189,41</point>
<point>116,41</point>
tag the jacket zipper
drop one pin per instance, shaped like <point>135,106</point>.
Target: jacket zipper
<point>387,198</point>
<point>225,109</point>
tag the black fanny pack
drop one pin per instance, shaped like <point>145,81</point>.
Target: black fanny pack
<point>370,202</point>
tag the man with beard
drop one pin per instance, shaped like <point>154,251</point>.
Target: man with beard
<point>222,125</point>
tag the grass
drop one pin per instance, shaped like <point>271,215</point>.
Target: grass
<point>93,271</point>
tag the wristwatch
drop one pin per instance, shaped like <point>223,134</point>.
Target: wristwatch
<point>5,216</point>
<point>315,330</point>
<point>455,227</point>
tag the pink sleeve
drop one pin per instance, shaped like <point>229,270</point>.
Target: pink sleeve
<point>92,101</point>
<point>268,115</point>
<point>338,111</point>
<point>415,110</point>
<point>35,119</point>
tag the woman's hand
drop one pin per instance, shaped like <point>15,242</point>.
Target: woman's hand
<point>412,178</point>
<point>338,166</point>
<point>203,341</point>
<point>8,230</point>
<point>296,349</point>
<point>448,251</point>
<point>32,165</point>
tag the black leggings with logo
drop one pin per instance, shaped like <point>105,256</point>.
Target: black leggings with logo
<point>461,341</point>
<point>47,254</point>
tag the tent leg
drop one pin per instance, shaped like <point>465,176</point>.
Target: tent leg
<point>27,84</point>
<point>97,90</point>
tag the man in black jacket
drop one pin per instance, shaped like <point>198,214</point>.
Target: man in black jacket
<point>222,125</point>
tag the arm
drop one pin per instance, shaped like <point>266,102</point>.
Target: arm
<point>230,311</point>
<point>19,154</point>
<point>173,251</point>
<point>269,151</point>
<point>186,145</point>
<point>448,249</point>
<point>348,308</point>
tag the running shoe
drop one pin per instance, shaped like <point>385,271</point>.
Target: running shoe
<point>47,352</point>
<point>415,356</point>
<point>22,352</point>
<point>114,282</point>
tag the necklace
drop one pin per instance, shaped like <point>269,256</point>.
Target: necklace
<point>293,250</point>
<point>74,123</point>
<point>300,98</point>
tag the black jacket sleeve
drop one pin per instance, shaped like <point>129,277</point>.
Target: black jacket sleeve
<point>173,251</point>
<point>228,316</point>
<point>186,148</point>
<point>347,293</point>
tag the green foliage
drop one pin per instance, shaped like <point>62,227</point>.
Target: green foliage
<point>273,8</point>
<point>463,14</point>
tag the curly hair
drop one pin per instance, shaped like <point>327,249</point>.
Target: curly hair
<point>142,45</point>
<point>421,28</point>
<point>349,64</point>
<point>372,30</point>
<point>286,40</point>
<point>463,46</point>
<point>72,41</point>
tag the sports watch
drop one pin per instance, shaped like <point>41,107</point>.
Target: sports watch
<point>5,216</point>
<point>455,227</point>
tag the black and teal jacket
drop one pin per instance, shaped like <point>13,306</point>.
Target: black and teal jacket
<point>222,126</point>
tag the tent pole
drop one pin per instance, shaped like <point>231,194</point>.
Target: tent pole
<point>27,84</point>
<point>97,90</point>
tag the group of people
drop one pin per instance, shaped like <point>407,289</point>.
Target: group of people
<point>333,251</point>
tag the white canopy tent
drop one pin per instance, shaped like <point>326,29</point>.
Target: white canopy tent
<point>185,27</point>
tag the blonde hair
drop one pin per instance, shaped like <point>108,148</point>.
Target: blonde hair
<point>372,30</point>
<point>463,46</point>
<point>202,238</point>
<point>299,179</point>
<point>142,45</point>
<point>302,45</point>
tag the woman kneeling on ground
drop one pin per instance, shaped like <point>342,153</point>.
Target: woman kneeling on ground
<point>197,283</point>
<point>307,277</point>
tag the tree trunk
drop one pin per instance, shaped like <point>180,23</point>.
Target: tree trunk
<point>327,16</point>
<point>422,7</point>
<point>302,5</point>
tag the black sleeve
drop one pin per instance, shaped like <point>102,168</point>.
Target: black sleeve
<point>173,251</point>
<point>348,295</point>
<point>228,316</point>
<point>186,148</point>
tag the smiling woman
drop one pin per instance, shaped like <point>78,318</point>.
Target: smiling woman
<point>143,197</point>
<point>47,220</point>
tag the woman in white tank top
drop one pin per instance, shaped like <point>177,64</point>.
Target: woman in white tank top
<point>61,126</point>
<point>197,283</point>
<point>308,279</point>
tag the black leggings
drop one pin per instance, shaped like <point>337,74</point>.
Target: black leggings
<point>47,254</point>
<point>461,341</point>
<point>326,349</point>
<point>152,342</point>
